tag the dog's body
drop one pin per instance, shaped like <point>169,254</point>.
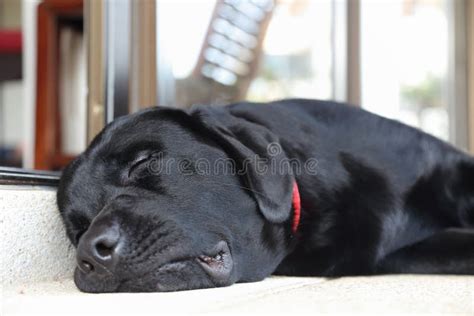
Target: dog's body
<point>383,198</point>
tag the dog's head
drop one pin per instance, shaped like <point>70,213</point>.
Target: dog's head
<point>167,200</point>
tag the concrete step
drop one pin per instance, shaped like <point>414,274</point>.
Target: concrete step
<point>37,263</point>
<point>34,246</point>
<point>439,295</point>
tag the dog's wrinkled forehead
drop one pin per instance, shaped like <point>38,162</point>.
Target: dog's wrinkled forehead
<point>153,127</point>
<point>115,148</point>
<point>112,163</point>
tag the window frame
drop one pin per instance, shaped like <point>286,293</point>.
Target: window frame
<point>457,76</point>
<point>21,176</point>
<point>470,74</point>
<point>346,57</point>
<point>346,79</point>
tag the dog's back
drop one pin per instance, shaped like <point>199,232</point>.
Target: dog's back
<point>324,129</point>
<point>381,186</point>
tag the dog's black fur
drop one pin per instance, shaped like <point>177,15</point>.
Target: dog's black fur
<point>385,198</point>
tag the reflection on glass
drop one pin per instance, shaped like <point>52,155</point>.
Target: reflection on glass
<point>297,56</point>
<point>254,50</point>
<point>404,62</point>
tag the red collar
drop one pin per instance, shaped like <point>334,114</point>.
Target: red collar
<point>296,203</point>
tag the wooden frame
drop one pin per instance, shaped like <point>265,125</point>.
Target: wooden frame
<point>346,51</point>
<point>117,58</point>
<point>143,71</point>
<point>457,92</point>
<point>353,52</point>
<point>48,154</point>
<point>94,28</point>
<point>470,71</point>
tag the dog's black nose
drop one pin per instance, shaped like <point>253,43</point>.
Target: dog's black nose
<point>97,250</point>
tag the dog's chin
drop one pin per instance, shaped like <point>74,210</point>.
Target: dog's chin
<point>174,276</point>
<point>111,285</point>
<point>88,284</point>
<point>166,279</point>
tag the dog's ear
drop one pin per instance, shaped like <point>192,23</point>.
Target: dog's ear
<point>259,158</point>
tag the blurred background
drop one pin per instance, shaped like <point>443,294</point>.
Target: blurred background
<point>67,67</point>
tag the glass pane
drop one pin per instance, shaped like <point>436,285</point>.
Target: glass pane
<point>297,53</point>
<point>253,50</point>
<point>404,49</point>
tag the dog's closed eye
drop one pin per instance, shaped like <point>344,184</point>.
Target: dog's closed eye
<point>137,163</point>
<point>143,160</point>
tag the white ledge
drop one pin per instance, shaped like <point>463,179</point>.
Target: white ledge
<point>440,295</point>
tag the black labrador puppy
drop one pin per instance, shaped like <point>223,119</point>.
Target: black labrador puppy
<point>167,200</point>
